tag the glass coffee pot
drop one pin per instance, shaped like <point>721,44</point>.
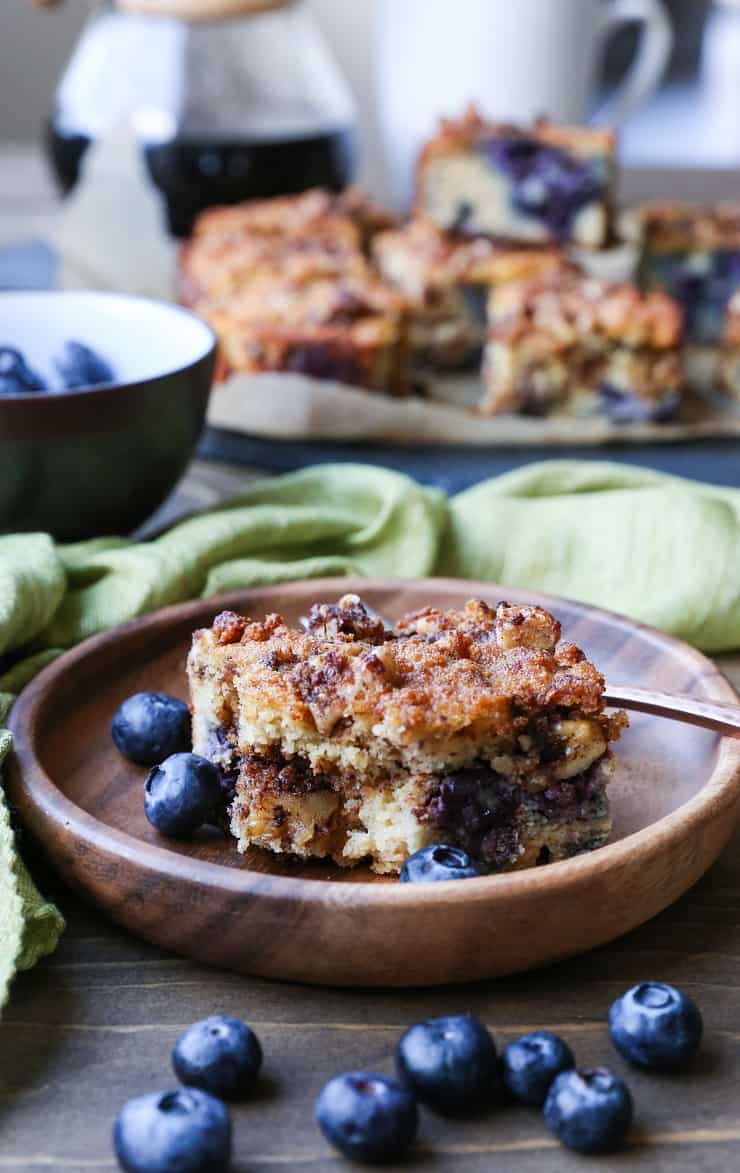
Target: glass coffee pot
<point>229,99</point>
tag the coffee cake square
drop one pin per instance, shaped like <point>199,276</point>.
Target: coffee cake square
<point>358,742</point>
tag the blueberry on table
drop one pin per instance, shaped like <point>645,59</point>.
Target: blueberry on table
<point>183,1131</point>
<point>530,1063</point>
<point>82,367</point>
<point>450,1064</point>
<point>589,1111</point>
<point>182,794</point>
<point>16,377</point>
<point>368,1117</point>
<point>219,1054</point>
<point>438,862</point>
<point>654,1025</point>
<point>149,726</point>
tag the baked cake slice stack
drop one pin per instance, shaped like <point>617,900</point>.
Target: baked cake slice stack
<point>345,739</point>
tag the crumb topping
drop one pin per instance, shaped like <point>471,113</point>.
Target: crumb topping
<point>670,225</point>
<point>462,133</point>
<point>421,257</point>
<point>567,307</point>
<point>434,672</point>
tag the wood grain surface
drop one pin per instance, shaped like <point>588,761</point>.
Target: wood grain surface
<point>94,1024</point>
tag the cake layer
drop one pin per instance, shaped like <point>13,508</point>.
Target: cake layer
<point>353,741</point>
<point>537,184</point>
<point>284,806</point>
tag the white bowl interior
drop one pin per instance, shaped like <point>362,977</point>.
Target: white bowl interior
<point>141,339</point>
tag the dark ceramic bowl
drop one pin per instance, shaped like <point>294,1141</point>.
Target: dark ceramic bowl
<point>100,460</point>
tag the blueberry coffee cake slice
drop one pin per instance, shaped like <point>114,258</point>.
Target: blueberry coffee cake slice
<point>573,345</point>
<point>445,278</point>
<point>537,184</point>
<point>728,358</point>
<point>305,317</point>
<point>478,728</point>
<point>693,253</point>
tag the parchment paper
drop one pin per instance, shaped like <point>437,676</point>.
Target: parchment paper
<point>111,234</point>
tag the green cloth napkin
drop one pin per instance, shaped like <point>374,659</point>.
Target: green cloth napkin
<point>664,550</point>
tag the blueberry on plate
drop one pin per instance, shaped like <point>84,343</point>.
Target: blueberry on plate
<point>82,367</point>
<point>219,1054</point>
<point>182,794</point>
<point>654,1025</point>
<point>530,1063</point>
<point>450,1064</point>
<point>438,862</point>
<point>183,1131</point>
<point>16,377</point>
<point>149,726</point>
<point>367,1116</point>
<point>589,1111</point>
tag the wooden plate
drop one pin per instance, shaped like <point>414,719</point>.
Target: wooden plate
<point>675,800</point>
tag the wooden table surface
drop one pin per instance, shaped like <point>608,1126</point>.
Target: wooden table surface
<point>94,1024</point>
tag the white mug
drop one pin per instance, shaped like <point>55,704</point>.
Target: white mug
<point>515,59</point>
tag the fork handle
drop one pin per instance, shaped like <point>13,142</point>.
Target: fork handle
<point>723,718</point>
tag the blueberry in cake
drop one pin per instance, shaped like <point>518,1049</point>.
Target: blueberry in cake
<point>445,278</point>
<point>538,184</point>
<point>571,344</point>
<point>476,728</point>
<point>693,253</point>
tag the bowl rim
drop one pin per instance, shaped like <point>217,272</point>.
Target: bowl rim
<point>75,392</point>
<point>34,788</point>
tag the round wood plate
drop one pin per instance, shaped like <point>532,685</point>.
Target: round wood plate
<point>675,799</point>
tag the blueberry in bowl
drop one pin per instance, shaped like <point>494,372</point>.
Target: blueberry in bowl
<point>16,376</point>
<point>81,366</point>
<point>83,454</point>
<point>655,1026</point>
<point>219,1054</point>
<point>181,1131</point>
<point>450,1064</point>
<point>367,1116</point>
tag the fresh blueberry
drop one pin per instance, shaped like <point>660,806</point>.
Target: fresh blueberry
<point>182,794</point>
<point>149,726</point>
<point>368,1117</point>
<point>450,1064</point>
<point>530,1063</point>
<point>82,367</point>
<point>183,1131</point>
<point>589,1111</point>
<point>655,1025</point>
<point>219,1054</point>
<point>16,377</point>
<point>438,862</point>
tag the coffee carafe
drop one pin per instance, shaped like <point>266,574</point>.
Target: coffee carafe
<point>228,99</point>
